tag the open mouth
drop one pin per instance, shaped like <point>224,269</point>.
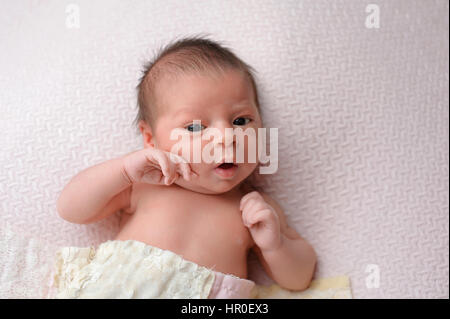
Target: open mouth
<point>226,165</point>
<point>226,170</point>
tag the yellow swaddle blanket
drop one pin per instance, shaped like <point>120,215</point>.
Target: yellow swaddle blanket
<point>132,269</point>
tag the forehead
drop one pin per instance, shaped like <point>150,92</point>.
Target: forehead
<point>176,93</point>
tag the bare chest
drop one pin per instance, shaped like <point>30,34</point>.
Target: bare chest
<point>188,223</point>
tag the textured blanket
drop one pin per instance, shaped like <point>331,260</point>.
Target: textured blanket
<point>31,268</point>
<point>362,114</point>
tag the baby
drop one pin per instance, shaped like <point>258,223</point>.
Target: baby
<point>205,212</point>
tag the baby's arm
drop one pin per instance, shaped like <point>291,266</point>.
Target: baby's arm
<point>286,257</point>
<point>95,193</point>
<point>103,189</point>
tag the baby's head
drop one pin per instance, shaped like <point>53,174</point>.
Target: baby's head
<point>196,79</point>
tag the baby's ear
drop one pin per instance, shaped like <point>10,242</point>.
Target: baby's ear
<point>147,134</point>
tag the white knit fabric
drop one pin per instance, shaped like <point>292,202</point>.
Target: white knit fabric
<point>362,117</point>
<point>128,269</point>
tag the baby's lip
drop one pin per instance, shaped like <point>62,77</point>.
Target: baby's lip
<point>226,164</point>
<point>226,170</point>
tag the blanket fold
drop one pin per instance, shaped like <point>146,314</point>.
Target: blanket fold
<point>132,269</point>
<point>32,268</point>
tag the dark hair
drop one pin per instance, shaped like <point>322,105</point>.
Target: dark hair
<point>191,54</point>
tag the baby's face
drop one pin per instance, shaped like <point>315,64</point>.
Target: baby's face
<point>220,102</point>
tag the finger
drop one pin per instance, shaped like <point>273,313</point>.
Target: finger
<point>259,216</point>
<point>248,212</point>
<point>246,217</point>
<point>255,204</point>
<point>164,165</point>
<point>247,205</point>
<point>192,172</point>
<point>175,158</point>
<point>252,210</point>
<point>247,197</point>
<point>185,170</point>
<point>174,178</point>
<point>184,167</point>
<point>251,218</point>
<point>173,173</point>
<point>181,165</point>
<point>253,194</point>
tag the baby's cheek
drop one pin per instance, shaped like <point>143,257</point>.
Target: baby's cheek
<point>181,147</point>
<point>197,168</point>
<point>247,168</point>
<point>247,149</point>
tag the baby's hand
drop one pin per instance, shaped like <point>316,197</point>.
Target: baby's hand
<point>262,221</point>
<point>154,166</point>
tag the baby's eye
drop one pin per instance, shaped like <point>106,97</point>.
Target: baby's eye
<point>194,127</point>
<point>241,121</point>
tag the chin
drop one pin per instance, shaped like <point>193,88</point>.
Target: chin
<point>224,187</point>
<point>213,188</point>
<point>213,185</point>
<point>219,188</point>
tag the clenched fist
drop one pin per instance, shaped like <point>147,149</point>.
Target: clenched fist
<point>154,166</point>
<point>262,221</point>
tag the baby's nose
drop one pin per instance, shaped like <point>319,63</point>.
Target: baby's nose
<point>227,137</point>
